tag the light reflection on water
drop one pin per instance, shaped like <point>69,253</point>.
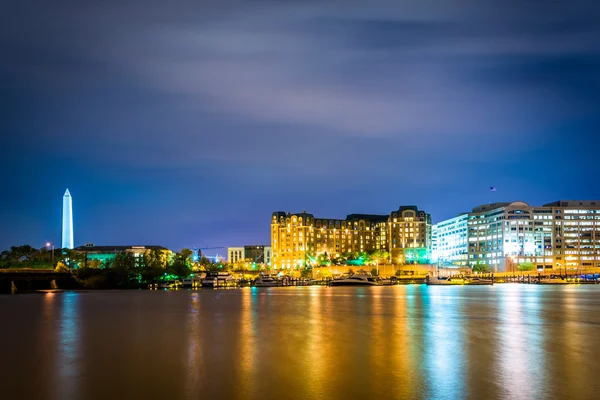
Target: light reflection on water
<point>521,360</point>
<point>444,342</point>
<point>506,341</point>
<point>69,334</point>
<point>195,359</point>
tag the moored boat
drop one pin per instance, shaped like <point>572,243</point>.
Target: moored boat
<point>480,281</point>
<point>218,279</point>
<point>355,280</point>
<point>553,280</point>
<point>265,281</point>
<point>191,281</point>
<point>450,280</point>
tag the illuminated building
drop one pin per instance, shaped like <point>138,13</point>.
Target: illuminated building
<point>571,233</point>
<point>298,239</point>
<point>257,254</point>
<point>293,237</point>
<point>235,254</point>
<point>410,236</point>
<point>563,234</point>
<point>106,254</point>
<point>450,245</point>
<point>498,231</point>
<point>67,221</point>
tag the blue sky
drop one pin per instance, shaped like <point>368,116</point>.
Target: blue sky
<point>188,123</point>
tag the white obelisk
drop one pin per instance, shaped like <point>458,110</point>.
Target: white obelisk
<point>67,223</point>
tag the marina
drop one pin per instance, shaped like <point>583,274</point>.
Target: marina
<point>364,279</point>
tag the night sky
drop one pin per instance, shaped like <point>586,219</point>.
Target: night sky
<point>187,123</point>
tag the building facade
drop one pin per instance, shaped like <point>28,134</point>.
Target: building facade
<point>257,254</point>
<point>410,236</point>
<point>235,254</point>
<point>104,255</point>
<point>450,244</point>
<point>571,233</point>
<point>561,235</point>
<point>298,239</point>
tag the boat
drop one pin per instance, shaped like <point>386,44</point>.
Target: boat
<point>355,280</point>
<point>480,281</point>
<point>265,281</point>
<point>450,280</point>
<point>170,285</point>
<point>191,281</point>
<point>553,280</point>
<point>218,279</point>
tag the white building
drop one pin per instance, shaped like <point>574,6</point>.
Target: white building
<point>450,242</point>
<point>253,254</point>
<point>560,235</point>
<point>571,233</point>
<point>235,254</point>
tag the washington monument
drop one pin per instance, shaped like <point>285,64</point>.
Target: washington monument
<point>67,223</point>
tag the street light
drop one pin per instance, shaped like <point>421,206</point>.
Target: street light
<point>48,244</point>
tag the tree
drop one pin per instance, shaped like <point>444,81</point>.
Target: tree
<point>323,259</point>
<point>205,263</point>
<point>306,273</point>
<point>480,267</point>
<point>152,266</point>
<point>375,272</point>
<point>123,271</point>
<point>60,267</point>
<point>379,256</point>
<point>526,266</point>
<point>22,256</point>
<point>324,273</point>
<point>180,266</point>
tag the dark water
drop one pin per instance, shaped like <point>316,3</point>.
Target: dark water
<point>506,341</point>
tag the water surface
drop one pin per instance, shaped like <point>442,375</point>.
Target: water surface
<point>406,342</point>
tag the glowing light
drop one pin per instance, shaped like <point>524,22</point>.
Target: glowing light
<point>67,221</point>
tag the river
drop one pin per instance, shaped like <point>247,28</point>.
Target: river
<point>505,341</point>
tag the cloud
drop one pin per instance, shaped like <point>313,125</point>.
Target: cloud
<point>241,76</point>
<point>355,72</point>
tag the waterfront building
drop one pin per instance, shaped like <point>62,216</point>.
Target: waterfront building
<point>571,233</point>
<point>499,231</point>
<point>257,254</point>
<point>67,221</point>
<point>410,236</point>
<point>502,236</point>
<point>235,254</point>
<point>298,239</point>
<point>293,238</point>
<point>103,255</point>
<point>450,245</point>
<point>560,235</point>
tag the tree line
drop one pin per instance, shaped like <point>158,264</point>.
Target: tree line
<point>124,271</point>
<point>353,258</point>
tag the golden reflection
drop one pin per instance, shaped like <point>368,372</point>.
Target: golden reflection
<point>401,347</point>
<point>248,339</point>
<point>318,344</point>
<point>49,340</point>
<point>378,338</point>
<point>195,359</point>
